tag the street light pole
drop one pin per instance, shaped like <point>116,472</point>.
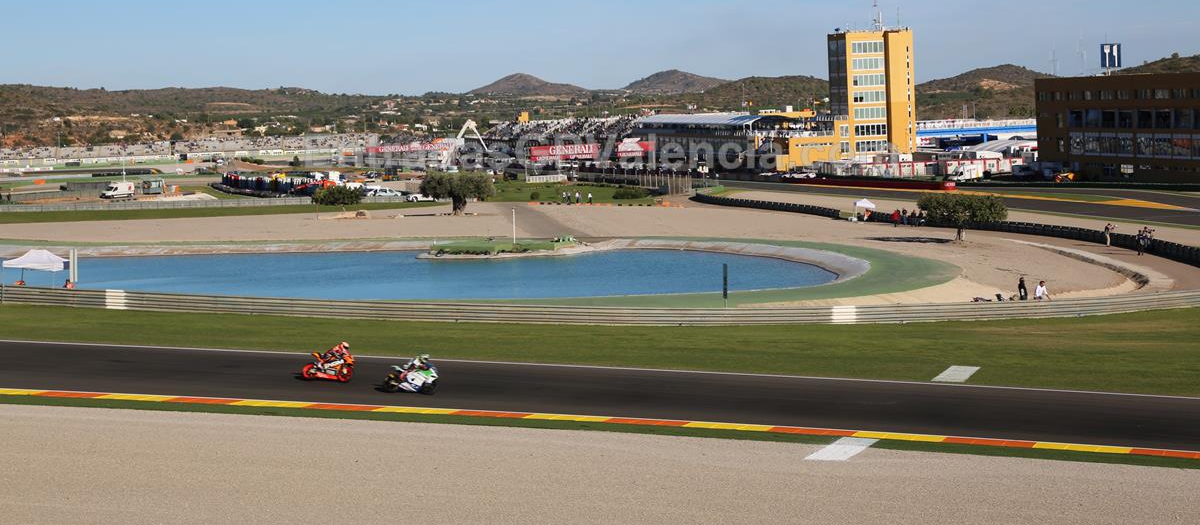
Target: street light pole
<point>514,226</point>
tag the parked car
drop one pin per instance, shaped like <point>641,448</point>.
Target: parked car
<point>383,192</point>
<point>418,197</point>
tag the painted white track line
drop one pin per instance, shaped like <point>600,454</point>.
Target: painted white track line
<point>842,449</point>
<point>956,374</point>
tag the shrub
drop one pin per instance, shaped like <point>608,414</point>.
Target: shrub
<point>631,193</point>
<point>535,196</point>
<point>337,196</point>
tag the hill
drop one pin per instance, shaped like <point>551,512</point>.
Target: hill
<point>1171,64</point>
<point>523,85</point>
<point>763,92</point>
<point>89,115</point>
<point>993,92</point>
<point>673,82</point>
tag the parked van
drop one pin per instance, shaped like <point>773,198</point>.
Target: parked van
<point>118,190</point>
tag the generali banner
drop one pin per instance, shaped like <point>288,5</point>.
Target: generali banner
<point>411,147</point>
<point>564,151</point>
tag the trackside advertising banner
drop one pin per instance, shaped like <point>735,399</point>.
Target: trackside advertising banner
<point>438,145</point>
<point>634,148</point>
<point>564,151</point>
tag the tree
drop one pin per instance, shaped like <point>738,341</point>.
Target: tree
<point>458,188</point>
<point>960,211</point>
<point>337,196</point>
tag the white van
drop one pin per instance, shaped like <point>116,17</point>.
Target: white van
<point>118,190</point>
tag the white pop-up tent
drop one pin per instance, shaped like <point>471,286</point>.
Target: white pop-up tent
<point>862,203</point>
<point>40,260</point>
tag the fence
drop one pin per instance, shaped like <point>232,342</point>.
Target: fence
<point>592,315</point>
<point>1166,249</point>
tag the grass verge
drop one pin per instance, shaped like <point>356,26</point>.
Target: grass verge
<point>1150,352</point>
<point>1122,459</point>
<point>889,273</point>
<point>180,213</point>
<point>509,191</point>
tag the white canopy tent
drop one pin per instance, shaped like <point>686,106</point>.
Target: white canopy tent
<point>862,203</point>
<point>40,260</point>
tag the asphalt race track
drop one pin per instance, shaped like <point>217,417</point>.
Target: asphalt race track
<point>1091,209</point>
<point>1043,415</point>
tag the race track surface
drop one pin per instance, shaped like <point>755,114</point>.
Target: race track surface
<point>957,410</point>
<point>1091,209</point>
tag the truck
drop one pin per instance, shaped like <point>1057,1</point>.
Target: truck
<point>119,190</point>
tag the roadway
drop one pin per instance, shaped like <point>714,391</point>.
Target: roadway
<point>931,408</point>
<point>1189,217</point>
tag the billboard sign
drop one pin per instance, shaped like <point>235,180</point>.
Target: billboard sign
<point>564,151</point>
<point>1110,56</point>
<point>634,148</point>
<point>413,147</point>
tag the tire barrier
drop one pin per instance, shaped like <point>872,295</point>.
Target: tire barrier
<point>594,315</point>
<point>1166,249</point>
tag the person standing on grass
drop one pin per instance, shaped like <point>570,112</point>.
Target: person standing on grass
<point>589,197</point>
<point>1041,293</point>
<point>578,199</point>
<point>1108,230</point>
<point>1022,291</point>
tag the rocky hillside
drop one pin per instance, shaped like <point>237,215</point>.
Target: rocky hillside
<point>523,85</point>
<point>673,82</point>
<point>992,92</point>
<point>763,92</point>
<point>1171,64</point>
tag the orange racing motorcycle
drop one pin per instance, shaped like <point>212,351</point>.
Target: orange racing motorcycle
<point>318,369</point>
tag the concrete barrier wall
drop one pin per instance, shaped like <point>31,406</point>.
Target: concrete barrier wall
<point>591,315</point>
<point>1169,250</point>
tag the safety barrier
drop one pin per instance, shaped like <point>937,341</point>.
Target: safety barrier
<point>1166,249</point>
<point>595,315</point>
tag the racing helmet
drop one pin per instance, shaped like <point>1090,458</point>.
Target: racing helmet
<point>423,359</point>
<point>345,346</point>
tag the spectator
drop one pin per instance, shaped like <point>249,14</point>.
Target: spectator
<point>1022,291</point>
<point>904,216</point>
<point>896,218</point>
<point>1041,293</point>
<point>589,197</point>
<point>68,285</point>
<point>578,199</point>
<point>1108,230</point>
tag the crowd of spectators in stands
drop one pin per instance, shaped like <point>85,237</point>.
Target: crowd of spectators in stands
<point>544,130</point>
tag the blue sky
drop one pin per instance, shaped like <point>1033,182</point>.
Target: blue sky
<point>358,46</point>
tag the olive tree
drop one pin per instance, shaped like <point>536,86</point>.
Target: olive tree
<point>960,211</point>
<point>458,188</point>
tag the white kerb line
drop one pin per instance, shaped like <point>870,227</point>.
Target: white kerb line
<point>842,449</point>
<point>956,374</point>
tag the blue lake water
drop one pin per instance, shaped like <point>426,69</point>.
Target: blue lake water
<point>400,275</point>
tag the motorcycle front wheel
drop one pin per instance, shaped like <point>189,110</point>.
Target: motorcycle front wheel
<point>429,388</point>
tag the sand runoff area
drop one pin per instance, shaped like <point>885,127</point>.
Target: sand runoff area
<point>88,465</point>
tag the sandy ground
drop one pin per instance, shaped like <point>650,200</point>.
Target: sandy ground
<point>81,465</point>
<point>991,264</point>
